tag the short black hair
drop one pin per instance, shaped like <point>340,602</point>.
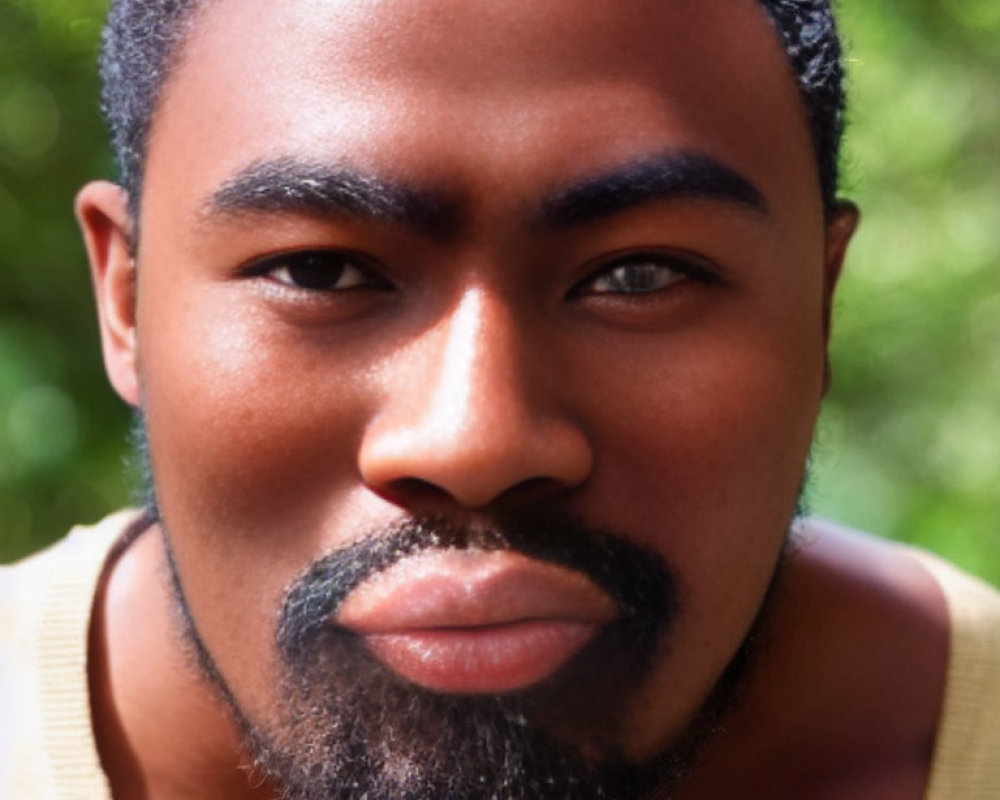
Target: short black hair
<point>142,39</point>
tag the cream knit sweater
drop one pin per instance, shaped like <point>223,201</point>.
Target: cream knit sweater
<point>47,748</point>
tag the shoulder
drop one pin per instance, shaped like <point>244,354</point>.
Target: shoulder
<point>857,666</point>
<point>45,608</point>
<point>845,697</point>
<point>62,570</point>
<point>76,558</point>
<point>974,605</point>
<point>881,607</point>
<point>967,754</point>
<point>932,620</point>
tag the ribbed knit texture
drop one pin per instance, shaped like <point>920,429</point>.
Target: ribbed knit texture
<point>47,747</point>
<point>967,754</point>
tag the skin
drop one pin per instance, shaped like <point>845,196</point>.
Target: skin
<point>495,369</point>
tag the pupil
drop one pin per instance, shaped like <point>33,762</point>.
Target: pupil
<point>314,273</point>
<point>635,278</point>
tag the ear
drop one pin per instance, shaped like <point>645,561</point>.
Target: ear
<point>103,215</point>
<point>840,230</point>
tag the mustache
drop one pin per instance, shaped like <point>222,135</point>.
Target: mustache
<point>643,587</point>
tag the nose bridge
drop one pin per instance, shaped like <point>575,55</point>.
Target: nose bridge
<point>467,419</point>
<point>478,383</point>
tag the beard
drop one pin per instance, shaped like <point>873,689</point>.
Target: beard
<point>383,737</point>
<point>346,727</point>
<point>343,726</point>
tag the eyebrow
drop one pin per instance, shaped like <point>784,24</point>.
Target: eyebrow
<point>682,175</point>
<point>293,186</point>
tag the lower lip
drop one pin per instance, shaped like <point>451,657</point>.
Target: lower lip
<point>481,660</point>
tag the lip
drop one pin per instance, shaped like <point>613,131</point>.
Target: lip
<point>471,621</point>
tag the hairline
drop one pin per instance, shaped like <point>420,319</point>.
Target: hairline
<point>133,169</point>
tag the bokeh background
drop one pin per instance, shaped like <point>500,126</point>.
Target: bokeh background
<point>909,443</point>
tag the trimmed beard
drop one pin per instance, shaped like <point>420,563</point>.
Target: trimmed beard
<point>346,727</point>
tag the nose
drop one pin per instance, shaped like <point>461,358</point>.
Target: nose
<point>461,414</point>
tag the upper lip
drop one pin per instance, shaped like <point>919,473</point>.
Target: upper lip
<point>471,589</point>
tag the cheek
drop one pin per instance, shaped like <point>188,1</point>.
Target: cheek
<point>243,420</point>
<point>251,433</point>
<point>709,425</point>
<point>702,459</point>
<point>706,465</point>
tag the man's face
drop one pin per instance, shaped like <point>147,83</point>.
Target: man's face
<point>437,260</point>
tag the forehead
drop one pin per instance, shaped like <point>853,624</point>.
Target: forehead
<point>514,91</point>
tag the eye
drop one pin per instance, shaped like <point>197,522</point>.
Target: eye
<point>320,271</point>
<point>634,277</point>
<point>641,273</point>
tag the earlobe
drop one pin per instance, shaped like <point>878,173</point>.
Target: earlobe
<point>103,215</point>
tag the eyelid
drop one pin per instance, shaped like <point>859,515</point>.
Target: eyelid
<point>265,263</point>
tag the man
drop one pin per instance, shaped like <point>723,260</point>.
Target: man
<point>478,348</point>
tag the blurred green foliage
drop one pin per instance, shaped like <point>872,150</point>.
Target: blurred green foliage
<point>60,428</point>
<point>909,444</point>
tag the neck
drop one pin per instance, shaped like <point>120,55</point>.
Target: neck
<point>845,698</point>
<point>162,732</point>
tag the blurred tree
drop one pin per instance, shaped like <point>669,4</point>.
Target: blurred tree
<point>60,428</point>
<point>909,443</point>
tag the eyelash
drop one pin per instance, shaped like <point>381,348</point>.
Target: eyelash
<point>330,266</point>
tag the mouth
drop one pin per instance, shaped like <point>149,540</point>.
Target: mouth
<point>475,621</point>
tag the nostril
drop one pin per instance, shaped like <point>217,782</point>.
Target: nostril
<point>419,493</point>
<point>530,490</point>
<point>414,492</point>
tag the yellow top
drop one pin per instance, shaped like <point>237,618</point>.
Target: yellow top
<point>47,748</point>
<point>967,755</point>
